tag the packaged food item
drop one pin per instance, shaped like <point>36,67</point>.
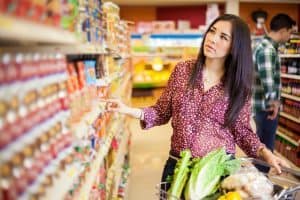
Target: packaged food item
<point>110,7</point>
<point>90,71</point>
<point>11,65</point>
<point>70,10</point>
<point>53,12</point>
<point>2,69</point>
<point>7,187</point>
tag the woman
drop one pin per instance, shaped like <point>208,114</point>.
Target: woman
<point>209,98</point>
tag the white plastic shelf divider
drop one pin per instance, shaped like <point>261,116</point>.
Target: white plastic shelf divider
<point>289,96</point>
<point>290,117</point>
<point>291,76</point>
<point>68,49</point>
<point>294,142</point>
<point>289,55</point>
<point>17,29</point>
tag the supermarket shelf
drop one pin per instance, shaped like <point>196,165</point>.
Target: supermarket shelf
<point>105,81</point>
<point>289,96</point>
<point>85,190</point>
<point>289,55</point>
<point>294,142</point>
<point>293,166</point>
<point>81,129</point>
<point>114,52</point>
<point>50,169</point>
<point>120,162</point>
<point>297,77</point>
<point>169,36</point>
<point>17,29</point>
<point>82,49</point>
<point>63,182</point>
<point>7,152</point>
<point>149,55</point>
<point>146,85</point>
<point>290,117</point>
<point>124,84</point>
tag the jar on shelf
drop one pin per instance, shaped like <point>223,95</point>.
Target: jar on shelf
<point>7,187</point>
<point>283,66</point>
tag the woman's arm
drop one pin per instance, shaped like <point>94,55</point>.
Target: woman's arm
<point>155,115</point>
<point>249,141</point>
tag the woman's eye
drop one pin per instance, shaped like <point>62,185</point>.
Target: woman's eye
<point>211,30</point>
<point>224,38</point>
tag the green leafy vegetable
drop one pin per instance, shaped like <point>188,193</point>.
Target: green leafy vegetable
<point>206,174</point>
<point>180,176</point>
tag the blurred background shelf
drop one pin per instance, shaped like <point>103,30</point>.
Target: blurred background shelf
<point>20,30</point>
<point>289,55</point>
<point>291,76</point>
<point>289,96</point>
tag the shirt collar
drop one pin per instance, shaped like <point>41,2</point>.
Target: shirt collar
<point>275,44</point>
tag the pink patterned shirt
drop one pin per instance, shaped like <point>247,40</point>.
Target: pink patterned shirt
<point>197,118</point>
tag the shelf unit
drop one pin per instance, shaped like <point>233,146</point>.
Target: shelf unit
<point>289,55</point>
<point>290,117</point>
<point>289,96</point>
<point>24,36</point>
<point>290,76</point>
<point>21,30</point>
<point>291,140</point>
<point>286,137</point>
<point>158,49</point>
<point>85,191</point>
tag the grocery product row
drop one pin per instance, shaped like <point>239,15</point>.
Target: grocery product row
<point>52,121</point>
<point>57,141</point>
<point>287,137</point>
<point>88,26</point>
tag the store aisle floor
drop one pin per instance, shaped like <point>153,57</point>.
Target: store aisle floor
<point>148,152</point>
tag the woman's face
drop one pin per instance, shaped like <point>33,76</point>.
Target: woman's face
<point>218,39</point>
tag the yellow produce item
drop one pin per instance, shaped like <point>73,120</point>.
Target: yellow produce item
<point>231,196</point>
<point>222,197</point>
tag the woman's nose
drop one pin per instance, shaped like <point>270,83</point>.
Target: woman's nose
<point>213,39</point>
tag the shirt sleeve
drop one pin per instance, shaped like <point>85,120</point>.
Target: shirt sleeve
<point>161,112</point>
<point>245,138</point>
<point>266,62</point>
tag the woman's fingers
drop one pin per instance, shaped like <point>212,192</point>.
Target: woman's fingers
<point>112,106</point>
<point>279,162</point>
<point>277,167</point>
<point>283,163</point>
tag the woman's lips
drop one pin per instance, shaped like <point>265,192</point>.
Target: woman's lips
<point>209,48</point>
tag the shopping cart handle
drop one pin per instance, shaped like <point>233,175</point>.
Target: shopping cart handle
<point>263,163</point>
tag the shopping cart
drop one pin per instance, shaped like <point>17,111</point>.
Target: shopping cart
<point>286,186</point>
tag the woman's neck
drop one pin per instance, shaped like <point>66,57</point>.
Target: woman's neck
<point>214,67</point>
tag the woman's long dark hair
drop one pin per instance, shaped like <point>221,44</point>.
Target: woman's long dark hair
<point>238,67</point>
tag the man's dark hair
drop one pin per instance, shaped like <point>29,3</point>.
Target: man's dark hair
<point>280,21</point>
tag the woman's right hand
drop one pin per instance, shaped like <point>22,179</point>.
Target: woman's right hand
<point>115,105</point>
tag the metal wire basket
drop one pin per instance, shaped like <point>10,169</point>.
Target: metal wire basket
<point>162,191</point>
<point>286,186</point>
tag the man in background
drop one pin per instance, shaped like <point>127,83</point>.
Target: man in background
<point>266,91</point>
